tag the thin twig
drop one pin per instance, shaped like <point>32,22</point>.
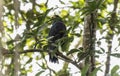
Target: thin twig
<point>51,70</point>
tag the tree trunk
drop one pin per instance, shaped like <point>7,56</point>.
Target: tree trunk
<point>89,38</point>
<point>1,32</point>
<point>16,54</point>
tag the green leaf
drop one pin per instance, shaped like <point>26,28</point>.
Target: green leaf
<point>99,3</point>
<point>100,51</point>
<point>84,70</point>
<point>65,42</point>
<point>43,66</point>
<point>77,34</point>
<point>82,55</point>
<point>72,51</point>
<point>10,42</point>
<point>41,18</point>
<point>29,14</point>
<point>61,2</point>
<point>95,71</point>
<point>30,60</point>
<point>38,74</point>
<point>114,70</point>
<point>116,55</point>
<point>85,11</point>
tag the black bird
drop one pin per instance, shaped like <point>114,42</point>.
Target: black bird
<point>56,32</point>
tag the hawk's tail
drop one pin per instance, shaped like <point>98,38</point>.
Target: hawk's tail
<point>53,58</point>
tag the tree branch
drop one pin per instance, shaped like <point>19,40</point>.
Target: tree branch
<point>112,25</point>
<point>60,55</point>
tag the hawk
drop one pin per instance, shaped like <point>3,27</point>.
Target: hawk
<point>57,31</point>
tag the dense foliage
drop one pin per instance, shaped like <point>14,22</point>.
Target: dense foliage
<point>26,26</point>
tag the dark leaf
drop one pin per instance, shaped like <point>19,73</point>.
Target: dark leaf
<point>102,49</point>
<point>98,51</point>
<point>99,3</point>
<point>82,55</point>
<point>38,74</point>
<point>30,60</point>
<point>116,55</point>
<point>81,48</point>
<point>84,70</point>
<point>114,70</point>
<point>43,66</point>
<point>77,34</point>
<point>61,2</point>
<point>72,51</point>
<point>93,73</point>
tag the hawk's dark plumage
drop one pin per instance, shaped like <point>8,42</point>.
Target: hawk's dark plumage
<point>56,32</point>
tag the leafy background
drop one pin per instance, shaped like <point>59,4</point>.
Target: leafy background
<point>33,25</point>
